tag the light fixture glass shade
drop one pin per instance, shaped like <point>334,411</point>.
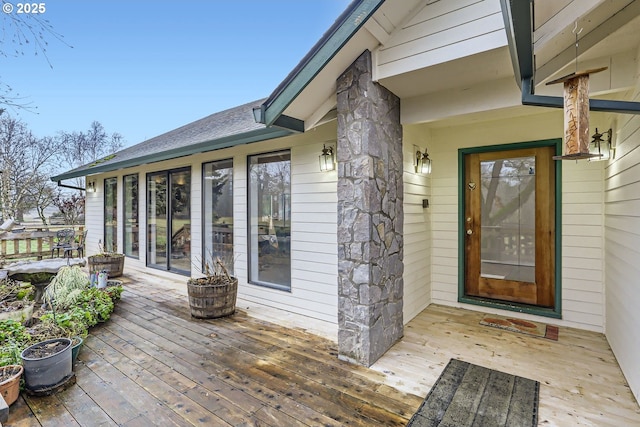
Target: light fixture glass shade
<point>599,147</point>
<point>423,163</point>
<point>327,160</point>
<point>426,165</point>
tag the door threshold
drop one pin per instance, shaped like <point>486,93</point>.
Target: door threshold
<point>510,306</point>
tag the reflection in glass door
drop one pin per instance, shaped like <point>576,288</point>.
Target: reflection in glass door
<point>217,188</point>
<point>169,220</point>
<point>180,244</point>
<point>110,215</point>
<point>508,226</point>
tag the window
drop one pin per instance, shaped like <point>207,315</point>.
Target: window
<point>270,219</point>
<point>110,214</point>
<point>217,188</point>
<point>169,220</point>
<point>130,220</point>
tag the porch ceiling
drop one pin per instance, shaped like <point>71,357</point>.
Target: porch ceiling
<point>605,28</point>
<point>608,28</point>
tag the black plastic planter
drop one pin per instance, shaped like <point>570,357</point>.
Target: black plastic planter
<point>50,371</point>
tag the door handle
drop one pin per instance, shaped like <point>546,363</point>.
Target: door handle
<point>469,232</point>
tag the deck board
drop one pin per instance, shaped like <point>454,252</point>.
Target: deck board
<point>152,364</point>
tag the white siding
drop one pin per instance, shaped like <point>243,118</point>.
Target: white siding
<point>582,223</point>
<point>622,246</point>
<point>417,229</point>
<point>442,31</point>
<point>314,222</point>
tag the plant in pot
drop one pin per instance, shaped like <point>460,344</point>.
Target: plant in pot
<point>48,363</point>
<point>110,261</point>
<point>10,382</point>
<point>213,295</point>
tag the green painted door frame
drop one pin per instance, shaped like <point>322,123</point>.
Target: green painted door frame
<point>556,312</point>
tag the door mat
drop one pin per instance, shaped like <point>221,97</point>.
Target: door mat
<point>468,395</point>
<point>528,327</point>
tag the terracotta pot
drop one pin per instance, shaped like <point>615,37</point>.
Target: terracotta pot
<point>10,387</point>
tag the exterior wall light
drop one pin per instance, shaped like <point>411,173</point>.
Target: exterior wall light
<point>423,162</point>
<point>91,187</point>
<point>327,159</point>
<point>599,148</point>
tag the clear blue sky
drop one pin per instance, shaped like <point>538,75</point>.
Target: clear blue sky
<point>142,68</point>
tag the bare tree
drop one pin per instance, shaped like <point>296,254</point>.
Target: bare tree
<point>23,32</point>
<point>71,207</point>
<point>42,196</point>
<point>24,162</point>
<point>81,148</point>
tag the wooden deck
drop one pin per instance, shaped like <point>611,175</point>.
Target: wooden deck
<point>151,364</point>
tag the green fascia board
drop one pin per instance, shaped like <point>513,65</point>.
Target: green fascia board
<point>201,147</point>
<point>347,25</point>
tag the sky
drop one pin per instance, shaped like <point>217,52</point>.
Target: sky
<point>143,67</point>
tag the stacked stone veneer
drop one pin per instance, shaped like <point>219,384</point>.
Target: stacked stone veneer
<point>370,216</point>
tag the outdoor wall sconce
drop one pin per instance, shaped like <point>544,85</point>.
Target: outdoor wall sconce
<point>423,162</point>
<point>327,159</point>
<point>91,186</point>
<point>598,148</point>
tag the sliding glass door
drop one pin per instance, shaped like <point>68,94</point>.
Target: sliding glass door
<point>110,215</point>
<point>130,208</point>
<point>169,220</point>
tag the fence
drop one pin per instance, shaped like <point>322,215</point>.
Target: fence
<point>30,243</point>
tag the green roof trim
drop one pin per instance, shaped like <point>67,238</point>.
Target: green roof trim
<point>351,20</point>
<point>216,144</point>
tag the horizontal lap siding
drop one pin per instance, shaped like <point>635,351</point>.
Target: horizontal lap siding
<point>417,230</point>
<point>582,264</point>
<point>314,257</point>
<point>582,242</point>
<point>622,246</point>
<point>442,31</point>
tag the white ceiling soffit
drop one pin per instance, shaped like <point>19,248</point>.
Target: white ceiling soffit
<point>606,27</point>
<point>318,98</point>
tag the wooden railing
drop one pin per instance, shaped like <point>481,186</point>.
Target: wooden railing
<point>30,243</point>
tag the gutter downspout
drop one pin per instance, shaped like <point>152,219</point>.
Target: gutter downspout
<point>73,187</point>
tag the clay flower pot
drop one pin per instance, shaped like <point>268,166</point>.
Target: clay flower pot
<point>10,382</point>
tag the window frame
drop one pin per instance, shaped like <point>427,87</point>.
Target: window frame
<point>167,173</point>
<point>205,253</point>
<point>250,244</point>
<point>110,182</point>
<point>135,204</point>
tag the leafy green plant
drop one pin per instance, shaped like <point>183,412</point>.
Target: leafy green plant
<point>66,287</point>
<point>114,292</point>
<point>14,338</point>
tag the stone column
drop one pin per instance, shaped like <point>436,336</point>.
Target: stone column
<point>370,216</point>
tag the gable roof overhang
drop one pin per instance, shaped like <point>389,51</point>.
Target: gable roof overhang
<point>335,38</point>
<point>224,129</point>
<point>519,24</point>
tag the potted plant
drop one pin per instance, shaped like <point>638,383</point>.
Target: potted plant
<point>10,382</point>
<point>47,364</point>
<point>213,295</point>
<point>76,345</point>
<point>110,261</point>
